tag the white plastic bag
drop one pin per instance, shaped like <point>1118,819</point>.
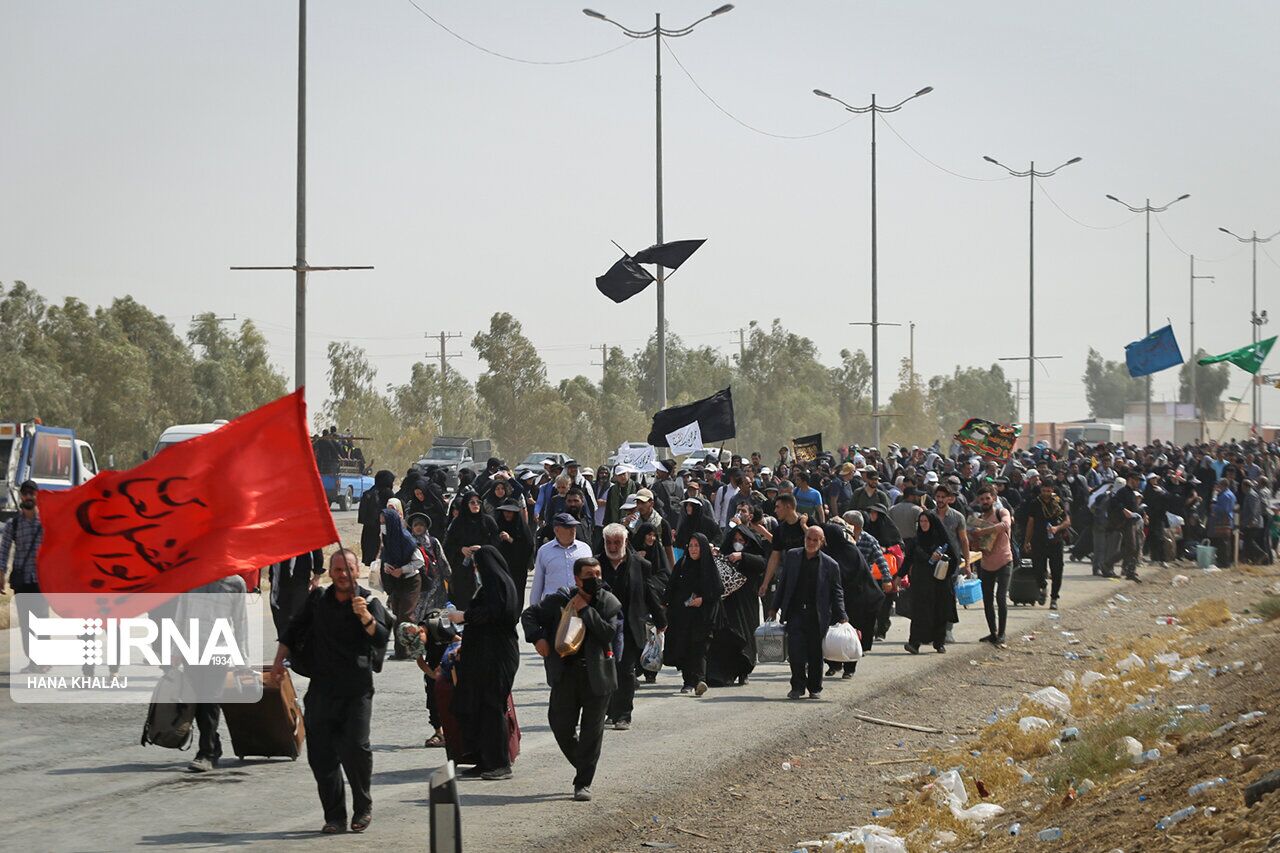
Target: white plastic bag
<point>841,644</point>
<point>1090,678</point>
<point>1129,663</point>
<point>953,785</point>
<point>1053,699</point>
<point>651,655</point>
<point>1031,724</point>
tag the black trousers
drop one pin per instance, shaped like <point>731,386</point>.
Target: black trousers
<point>886,608</point>
<point>995,597</point>
<point>338,744</point>
<point>804,650</point>
<point>208,715</point>
<point>1046,561</point>
<point>576,716</point>
<point>623,700</point>
<point>37,606</point>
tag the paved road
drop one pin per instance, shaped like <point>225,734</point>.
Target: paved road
<point>75,778</point>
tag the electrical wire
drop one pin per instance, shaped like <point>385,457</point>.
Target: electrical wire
<point>508,57</point>
<point>1175,245</point>
<point>1077,221</point>
<point>739,121</point>
<point>1268,254</point>
<point>939,166</point>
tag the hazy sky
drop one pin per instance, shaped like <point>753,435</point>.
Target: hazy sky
<point>148,146</point>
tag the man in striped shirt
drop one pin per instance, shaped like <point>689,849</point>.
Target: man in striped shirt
<point>21,537</point>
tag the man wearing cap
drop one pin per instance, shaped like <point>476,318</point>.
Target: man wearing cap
<point>1124,521</point>
<point>553,567</point>
<point>22,537</point>
<point>622,488</point>
<point>839,493</point>
<point>667,491</point>
<point>573,470</point>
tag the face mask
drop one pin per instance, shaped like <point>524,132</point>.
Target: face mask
<point>738,546</point>
<point>28,504</point>
<point>591,585</point>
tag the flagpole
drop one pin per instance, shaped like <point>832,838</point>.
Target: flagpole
<point>1229,421</point>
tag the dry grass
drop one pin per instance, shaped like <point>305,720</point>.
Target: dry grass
<point>1269,607</point>
<point>1209,613</point>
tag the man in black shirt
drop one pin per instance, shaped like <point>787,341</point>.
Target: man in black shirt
<point>339,639</point>
<point>787,535</point>
<point>1047,522</point>
<point>630,578</point>
<point>810,599</point>
<point>1124,520</point>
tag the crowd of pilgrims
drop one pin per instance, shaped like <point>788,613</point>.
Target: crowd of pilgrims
<point>694,555</point>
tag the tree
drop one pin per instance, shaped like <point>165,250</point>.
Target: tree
<point>782,390</point>
<point>1211,383</point>
<point>1108,387</point>
<point>691,373</point>
<point>971,392</point>
<point>911,421</point>
<point>523,408</point>
<point>356,408</point>
<point>417,404</point>
<point>850,383</point>
<point>232,373</point>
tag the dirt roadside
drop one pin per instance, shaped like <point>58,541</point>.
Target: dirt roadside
<point>830,778</point>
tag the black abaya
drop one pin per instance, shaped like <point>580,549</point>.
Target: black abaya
<point>690,628</point>
<point>863,597</point>
<point>732,652</point>
<point>488,661</point>
<point>518,553</point>
<point>469,528</point>
<point>933,601</point>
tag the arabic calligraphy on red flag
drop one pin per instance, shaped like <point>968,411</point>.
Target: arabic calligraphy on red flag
<point>230,502</point>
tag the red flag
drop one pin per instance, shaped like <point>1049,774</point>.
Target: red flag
<point>229,502</point>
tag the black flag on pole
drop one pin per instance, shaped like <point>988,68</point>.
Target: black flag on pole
<point>714,416</point>
<point>624,280</point>
<point>670,255</point>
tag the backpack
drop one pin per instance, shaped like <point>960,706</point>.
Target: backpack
<point>169,724</point>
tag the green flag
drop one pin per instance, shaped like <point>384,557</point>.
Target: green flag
<point>1248,358</point>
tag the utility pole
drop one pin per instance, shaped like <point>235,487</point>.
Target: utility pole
<point>658,33</point>
<point>300,266</point>
<point>603,364</point>
<point>1017,400</point>
<point>1256,320</point>
<point>1195,398</point>
<point>445,355</point>
<point>742,346</point>
<point>875,324</point>
<point>911,361</point>
<point>1147,210</point>
<point>1031,174</point>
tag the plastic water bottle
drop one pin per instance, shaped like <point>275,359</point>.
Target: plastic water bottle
<point>449,607</point>
<point>1015,829</point>
<point>1148,756</point>
<point>1070,733</point>
<point>1207,785</point>
<point>1053,833</point>
<point>878,813</point>
<point>1251,716</point>
<point>1177,817</point>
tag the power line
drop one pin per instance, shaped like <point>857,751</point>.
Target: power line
<point>1175,245</point>
<point>507,57</point>
<point>1077,221</point>
<point>938,165</point>
<point>739,121</point>
<point>1265,252</point>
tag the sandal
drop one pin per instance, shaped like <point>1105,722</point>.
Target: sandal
<point>333,828</point>
<point>360,823</point>
<point>434,742</point>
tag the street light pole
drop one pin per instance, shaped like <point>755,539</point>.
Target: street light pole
<point>875,323</point>
<point>1256,321</point>
<point>1195,397</point>
<point>1031,174</point>
<point>657,33</point>
<point>1147,210</point>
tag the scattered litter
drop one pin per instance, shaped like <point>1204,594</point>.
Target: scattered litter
<point>1129,663</point>
<point>1031,724</point>
<point>1181,580</point>
<point>1177,675</point>
<point>1053,699</point>
<point>1148,757</point>
<point>1014,829</point>
<point>1223,729</point>
<point>1251,716</point>
<point>1069,733</point>
<point>1177,817</point>
<point>1053,833</point>
<point>1166,620</point>
<point>786,765</point>
<point>1130,746</point>
<point>1168,658</point>
<point>1090,678</point>
<point>1085,787</point>
<point>878,813</point>
<point>1207,785</point>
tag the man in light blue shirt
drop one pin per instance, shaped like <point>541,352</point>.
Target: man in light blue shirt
<point>553,567</point>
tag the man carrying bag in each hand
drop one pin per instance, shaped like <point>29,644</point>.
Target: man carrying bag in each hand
<point>338,640</point>
<point>582,673</point>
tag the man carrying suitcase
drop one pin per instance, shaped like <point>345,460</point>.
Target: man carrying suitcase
<point>209,680</point>
<point>339,637</point>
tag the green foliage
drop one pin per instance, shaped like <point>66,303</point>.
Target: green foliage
<point>523,407</point>
<point>120,375</point>
<point>782,391</point>
<point>1211,383</point>
<point>971,392</point>
<point>1108,386</point>
<point>911,420</point>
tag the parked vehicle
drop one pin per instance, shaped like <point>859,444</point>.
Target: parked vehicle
<point>708,454</point>
<point>51,456</point>
<point>533,462</point>
<point>452,453</point>
<point>182,432</point>
<point>343,471</point>
<point>1094,433</point>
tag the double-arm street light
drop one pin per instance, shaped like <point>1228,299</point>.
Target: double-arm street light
<point>1031,174</point>
<point>1256,320</point>
<point>1147,209</point>
<point>875,323</point>
<point>657,32</point>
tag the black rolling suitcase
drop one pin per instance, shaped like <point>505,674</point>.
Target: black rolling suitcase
<point>1024,586</point>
